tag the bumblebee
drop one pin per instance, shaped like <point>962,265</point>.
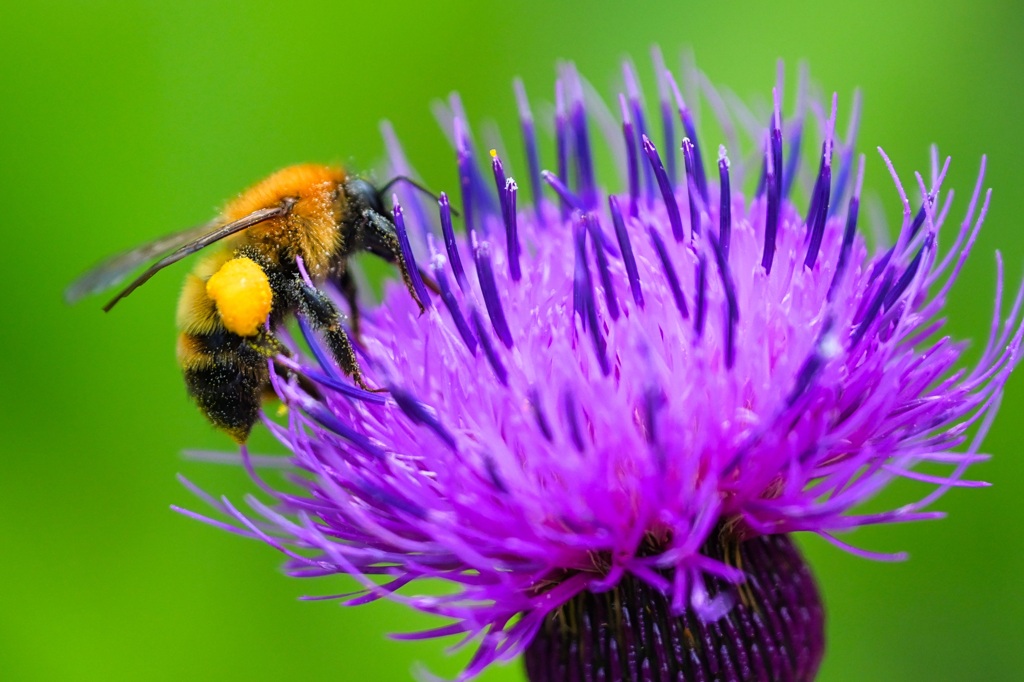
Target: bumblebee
<point>235,297</point>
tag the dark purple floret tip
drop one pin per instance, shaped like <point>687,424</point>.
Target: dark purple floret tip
<point>403,240</point>
<point>489,287</point>
<point>450,242</point>
<point>694,197</point>
<point>667,190</point>
<point>530,147</point>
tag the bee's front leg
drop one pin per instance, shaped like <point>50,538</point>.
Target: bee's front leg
<point>350,290</point>
<point>382,240</point>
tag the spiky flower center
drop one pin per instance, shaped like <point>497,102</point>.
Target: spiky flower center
<point>601,368</point>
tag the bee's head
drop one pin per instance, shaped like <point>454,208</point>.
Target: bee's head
<point>364,194</point>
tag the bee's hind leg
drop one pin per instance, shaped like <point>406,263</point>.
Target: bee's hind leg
<point>266,344</point>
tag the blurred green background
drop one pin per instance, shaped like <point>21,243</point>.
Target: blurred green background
<point>125,120</point>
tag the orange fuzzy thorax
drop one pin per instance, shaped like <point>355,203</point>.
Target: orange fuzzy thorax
<point>311,227</point>
<point>243,296</point>
<point>306,181</point>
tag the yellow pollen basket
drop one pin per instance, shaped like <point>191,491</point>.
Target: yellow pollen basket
<point>243,295</point>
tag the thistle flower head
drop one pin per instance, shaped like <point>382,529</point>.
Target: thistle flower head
<point>630,397</point>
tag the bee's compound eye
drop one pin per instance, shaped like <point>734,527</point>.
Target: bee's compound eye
<point>364,193</point>
<point>243,295</point>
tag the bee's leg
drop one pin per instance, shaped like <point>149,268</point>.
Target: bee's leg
<point>429,282</point>
<point>350,291</point>
<point>382,240</point>
<point>269,346</point>
<point>318,308</point>
<point>266,344</point>
<point>287,374</point>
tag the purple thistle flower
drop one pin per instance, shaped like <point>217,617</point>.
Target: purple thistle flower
<point>604,428</point>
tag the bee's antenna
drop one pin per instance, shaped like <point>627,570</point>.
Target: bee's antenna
<point>412,183</point>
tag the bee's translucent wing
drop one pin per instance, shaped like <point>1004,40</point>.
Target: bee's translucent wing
<point>179,246</point>
<point>114,269</point>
